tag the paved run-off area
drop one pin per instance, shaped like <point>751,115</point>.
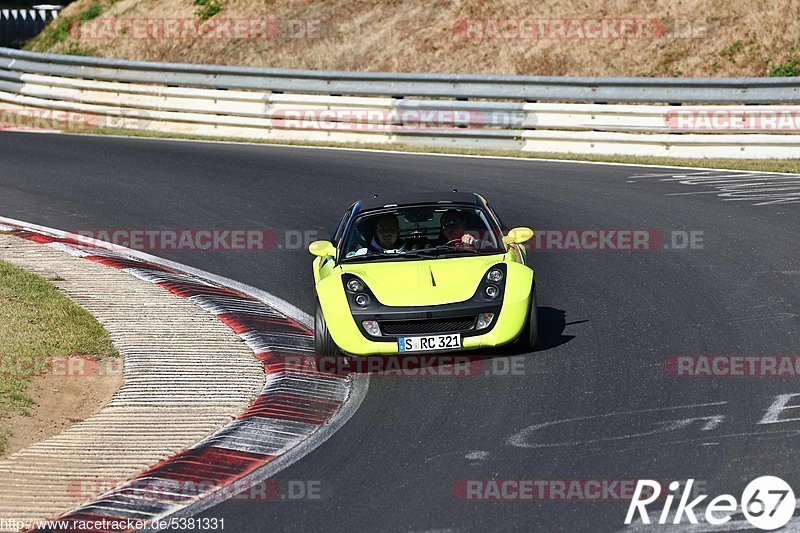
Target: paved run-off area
<point>186,375</point>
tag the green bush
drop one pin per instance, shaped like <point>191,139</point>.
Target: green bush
<point>207,9</point>
<point>790,67</point>
<point>59,29</point>
<point>731,51</point>
<point>75,49</point>
<point>55,32</point>
<point>94,11</point>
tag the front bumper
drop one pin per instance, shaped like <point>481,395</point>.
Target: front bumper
<point>396,322</point>
<point>510,317</point>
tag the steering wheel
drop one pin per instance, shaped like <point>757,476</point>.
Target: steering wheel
<point>459,242</point>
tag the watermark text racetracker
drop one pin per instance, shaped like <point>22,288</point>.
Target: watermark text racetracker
<point>590,28</point>
<point>189,29</point>
<point>25,118</point>
<point>733,118</point>
<point>106,524</point>
<point>29,118</point>
<point>65,366</point>
<point>379,120</point>
<point>169,490</point>
<point>257,239</point>
<point>418,366</point>
<point>733,366</point>
<point>203,239</point>
<point>519,490</point>
<point>623,240</point>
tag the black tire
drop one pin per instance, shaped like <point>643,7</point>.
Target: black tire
<point>530,333</point>
<point>323,343</point>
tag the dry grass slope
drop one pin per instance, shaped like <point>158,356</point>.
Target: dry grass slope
<point>698,38</point>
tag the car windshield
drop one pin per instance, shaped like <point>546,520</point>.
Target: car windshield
<point>421,232</point>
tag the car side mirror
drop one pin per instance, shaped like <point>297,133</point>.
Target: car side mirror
<point>518,236</point>
<point>322,248</point>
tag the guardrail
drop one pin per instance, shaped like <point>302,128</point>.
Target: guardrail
<point>463,111</point>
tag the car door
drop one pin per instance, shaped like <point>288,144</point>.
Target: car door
<point>325,265</point>
<point>516,252</point>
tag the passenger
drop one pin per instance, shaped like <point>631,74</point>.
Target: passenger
<point>387,235</point>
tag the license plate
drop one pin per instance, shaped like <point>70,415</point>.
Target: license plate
<point>431,342</point>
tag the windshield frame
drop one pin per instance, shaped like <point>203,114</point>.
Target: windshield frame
<point>413,255</point>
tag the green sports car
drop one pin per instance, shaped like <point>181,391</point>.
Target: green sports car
<point>422,273</point>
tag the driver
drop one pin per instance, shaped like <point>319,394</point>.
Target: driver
<point>454,229</point>
<point>387,235</point>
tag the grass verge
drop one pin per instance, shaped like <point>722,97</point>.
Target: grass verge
<point>38,322</point>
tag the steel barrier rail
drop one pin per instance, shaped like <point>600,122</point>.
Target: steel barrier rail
<point>592,142</point>
<point>368,110</point>
<point>287,107</point>
<point>527,88</point>
<point>191,99</point>
<point>609,117</point>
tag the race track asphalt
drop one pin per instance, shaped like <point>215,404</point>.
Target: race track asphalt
<point>596,403</point>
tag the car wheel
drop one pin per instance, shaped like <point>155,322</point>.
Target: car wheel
<point>323,343</point>
<point>530,334</point>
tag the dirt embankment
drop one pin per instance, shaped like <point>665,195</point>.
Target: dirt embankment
<point>698,38</point>
<point>57,363</point>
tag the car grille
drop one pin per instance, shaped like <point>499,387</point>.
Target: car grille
<point>427,326</point>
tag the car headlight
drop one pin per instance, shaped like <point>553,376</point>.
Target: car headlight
<point>484,320</point>
<point>495,275</point>
<point>359,296</point>
<point>491,291</point>
<point>355,285</point>
<point>372,328</point>
<point>492,284</point>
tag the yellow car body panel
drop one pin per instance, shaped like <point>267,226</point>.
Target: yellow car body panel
<point>424,284</point>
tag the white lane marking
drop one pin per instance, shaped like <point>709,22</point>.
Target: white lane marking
<point>18,129</point>
<point>477,455</point>
<point>760,188</point>
<point>761,435</point>
<point>521,438</point>
<point>415,153</point>
<point>781,404</point>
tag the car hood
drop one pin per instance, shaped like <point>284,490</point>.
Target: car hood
<point>426,282</point>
